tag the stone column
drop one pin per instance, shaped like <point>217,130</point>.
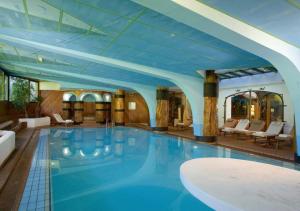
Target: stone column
<point>162,109</point>
<point>119,106</point>
<point>211,90</point>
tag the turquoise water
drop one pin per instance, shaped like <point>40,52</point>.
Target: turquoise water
<point>125,169</point>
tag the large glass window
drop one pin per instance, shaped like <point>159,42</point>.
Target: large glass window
<point>3,88</point>
<point>255,105</point>
<point>12,81</point>
<point>6,87</point>
<point>34,90</point>
<point>33,87</point>
<point>13,88</point>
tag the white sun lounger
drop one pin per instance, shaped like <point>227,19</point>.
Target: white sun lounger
<point>60,120</point>
<point>273,130</point>
<point>241,125</point>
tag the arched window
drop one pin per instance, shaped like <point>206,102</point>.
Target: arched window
<point>69,97</point>
<point>255,105</point>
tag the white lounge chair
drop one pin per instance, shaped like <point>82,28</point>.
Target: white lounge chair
<point>241,125</point>
<point>60,120</point>
<point>286,136</point>
<point>255,126</point>
<point>273,130</point>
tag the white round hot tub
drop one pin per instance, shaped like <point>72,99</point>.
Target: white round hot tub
<point>232,184</point>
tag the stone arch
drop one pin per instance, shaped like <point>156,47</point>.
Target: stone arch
<point>284,56</point>
<point>69,96</point>
<point>98,97</point>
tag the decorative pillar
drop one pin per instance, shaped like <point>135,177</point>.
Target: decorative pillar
<point>100,112</point>
<point>78,112</point>
<point>211,89</point>
<point>162,109</point>
<point>119,107</point>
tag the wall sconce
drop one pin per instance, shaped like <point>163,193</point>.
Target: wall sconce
<point>131,105</point>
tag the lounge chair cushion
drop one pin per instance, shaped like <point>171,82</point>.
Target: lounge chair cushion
<point>230,123</point>
<point>273,130</point>
<point>242,125</point>
<point>255,126</point>
<point>288,128</point>
<point>284,136</point>
<point>59,119</point>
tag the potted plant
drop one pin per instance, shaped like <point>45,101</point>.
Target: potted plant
<point>21,91</point>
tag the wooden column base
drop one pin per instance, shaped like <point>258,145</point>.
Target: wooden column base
<point>101,122</point>
<point>206,138</point>
<point>159,128</point>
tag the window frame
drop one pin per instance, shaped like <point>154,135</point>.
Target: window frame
<point>6,85</point>
<point>7,90</point>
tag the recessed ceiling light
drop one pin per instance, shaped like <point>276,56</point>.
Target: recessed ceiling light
<point>40,58</point>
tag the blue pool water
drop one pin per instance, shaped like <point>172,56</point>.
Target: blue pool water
<point>125,169</point>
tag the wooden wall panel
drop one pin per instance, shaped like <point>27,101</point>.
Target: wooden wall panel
<point>8,112</point>
<point>52,102</point>
<point>141,114</point>
<point>89,109</point>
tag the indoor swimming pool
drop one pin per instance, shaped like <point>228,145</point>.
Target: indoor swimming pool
<point>116,168</point>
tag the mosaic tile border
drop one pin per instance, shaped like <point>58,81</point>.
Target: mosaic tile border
<point>36,195</point>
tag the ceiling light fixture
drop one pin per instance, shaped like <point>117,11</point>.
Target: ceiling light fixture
<point>40,58</point>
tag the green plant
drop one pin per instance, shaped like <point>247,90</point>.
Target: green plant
<point>2,86</point>
<point>21,91</point>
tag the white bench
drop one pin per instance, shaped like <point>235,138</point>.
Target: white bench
<point>36,122</point>
<point>7,144</point>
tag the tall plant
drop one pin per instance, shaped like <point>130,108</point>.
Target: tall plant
<point>21,93</point>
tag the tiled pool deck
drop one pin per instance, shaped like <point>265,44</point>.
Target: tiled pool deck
<point>36,195</point>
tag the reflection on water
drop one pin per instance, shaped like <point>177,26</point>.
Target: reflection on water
<point>125,169</point>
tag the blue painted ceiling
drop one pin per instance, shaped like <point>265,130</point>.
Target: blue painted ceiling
<point>117,29</point>
<point>281,18</point>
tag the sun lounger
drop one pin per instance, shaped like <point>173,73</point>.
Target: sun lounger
<point>255,126</point>
<point>60,120</point>
<point>286,136</point>
<point>241,125</point>
<point>273,130</point>
<point>229,123</point>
